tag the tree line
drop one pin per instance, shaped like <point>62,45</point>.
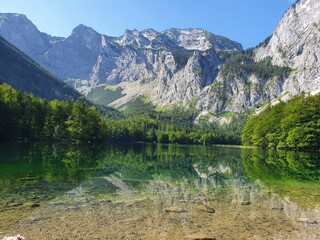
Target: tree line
<point>291,125</point>
<point>23,116</point>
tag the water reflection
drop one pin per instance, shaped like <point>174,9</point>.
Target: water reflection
<point>282,165</point>
<point>223,188</point>
<point>289,174</point>
<point>292,179</point>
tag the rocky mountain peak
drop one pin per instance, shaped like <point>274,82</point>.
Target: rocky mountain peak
<point>85,36</point>
<point>150,34</point>
<point>83,30</point>
<point>296,43</point>
<point>191,39</point>
<point>134,38</point>
<point>14,17</point>
<point>180,65</point>
<point>18,29</point>
<point>199,39</point>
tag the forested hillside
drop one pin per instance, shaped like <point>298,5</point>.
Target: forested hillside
<point>240,64</point>
<point>21,72</point>
<point>22,116</point>
<point>291,125</point>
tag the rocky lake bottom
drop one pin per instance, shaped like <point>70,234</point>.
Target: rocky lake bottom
<point>214,202</point>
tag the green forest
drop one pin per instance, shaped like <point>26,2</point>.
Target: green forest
<point>292,125</point>
<point>239,64</point>
<point>24,116</point>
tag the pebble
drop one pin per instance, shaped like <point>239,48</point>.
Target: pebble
<point>278,208</point>
<point>176,210</point>
<point>307,221</point>
<point>14,204</point>
<point>205,208</point>
<point>245,203</point>
<point>31,204</point>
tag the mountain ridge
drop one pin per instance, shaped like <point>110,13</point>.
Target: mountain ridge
<point>296,43</point>
<point>87,59</point>
<point>22,73</point>
<point>189,65</point>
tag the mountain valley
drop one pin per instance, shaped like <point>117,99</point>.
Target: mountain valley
<point>180,66</point>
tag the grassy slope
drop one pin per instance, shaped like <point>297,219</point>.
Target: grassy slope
<point>104,96</point>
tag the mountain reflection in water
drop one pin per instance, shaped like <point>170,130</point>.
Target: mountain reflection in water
<point>217,187</point>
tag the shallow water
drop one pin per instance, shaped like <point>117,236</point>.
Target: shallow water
<point>145,191</point>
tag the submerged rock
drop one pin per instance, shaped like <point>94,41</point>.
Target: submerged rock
<point>175,210</point>
<point>31,204</point>
<point>14,204</point>
<point>245,203</point>
<point>307,221</point>
<point>18,237</point>
<point>205,208</point>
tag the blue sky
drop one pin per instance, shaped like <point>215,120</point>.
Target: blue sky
<point>246,21</point>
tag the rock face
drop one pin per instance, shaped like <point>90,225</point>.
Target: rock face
<point>21,32</point>
<point>296,43</point>
<point>177,65</point>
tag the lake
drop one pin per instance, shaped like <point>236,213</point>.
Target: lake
<point>157,191</point>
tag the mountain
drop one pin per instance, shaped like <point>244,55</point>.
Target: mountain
<point>169,66</point>
<point>189,66</point>
<point>23,73</point>
<point>285,64</point>
<point>296,43</point>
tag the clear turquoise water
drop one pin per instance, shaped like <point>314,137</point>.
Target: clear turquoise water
<point>39,178</point>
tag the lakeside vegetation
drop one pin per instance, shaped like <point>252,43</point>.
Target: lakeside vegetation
<point>24,116</point>
<point>292,125</point>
